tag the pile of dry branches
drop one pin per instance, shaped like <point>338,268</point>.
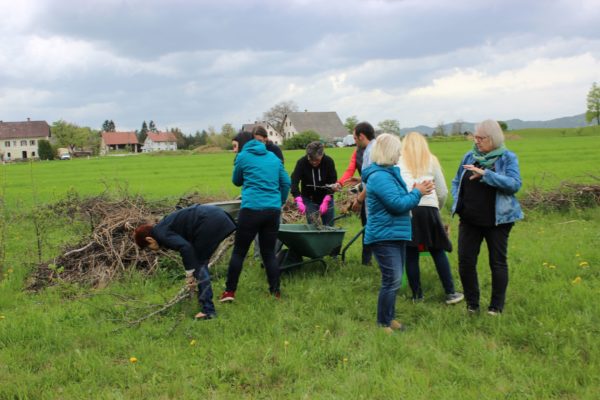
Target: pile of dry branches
<point>567,196</point>
<point>109,250</point>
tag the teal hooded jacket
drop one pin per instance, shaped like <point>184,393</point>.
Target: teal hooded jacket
<point>388,204</point>
<point>265,183</point>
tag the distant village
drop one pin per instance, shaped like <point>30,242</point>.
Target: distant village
<point>20,140</point>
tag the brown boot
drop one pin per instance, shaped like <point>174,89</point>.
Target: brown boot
<point>397,326</point>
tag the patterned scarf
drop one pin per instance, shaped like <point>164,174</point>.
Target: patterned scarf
<point>487,160</point>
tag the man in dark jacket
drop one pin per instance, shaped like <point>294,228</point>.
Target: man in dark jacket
<point>316,175</point>
<point>195,232</point>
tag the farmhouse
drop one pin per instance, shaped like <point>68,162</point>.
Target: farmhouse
<point>112,141</point>
<point>327,124</point>
<point>159,141</point>
<point>19,140</point>
<point>274,136</point>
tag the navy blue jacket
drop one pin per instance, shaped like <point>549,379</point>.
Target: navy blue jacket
<point>195,232</point>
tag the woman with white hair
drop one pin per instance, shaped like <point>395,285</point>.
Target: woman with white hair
<point>418,164</point>
<point>484,198</point>
<point>388,227</point>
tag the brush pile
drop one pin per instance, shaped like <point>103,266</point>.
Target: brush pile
<point>109,249</point>
<point>568,195</point>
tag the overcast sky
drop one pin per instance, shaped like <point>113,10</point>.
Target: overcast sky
<point>194,64</point>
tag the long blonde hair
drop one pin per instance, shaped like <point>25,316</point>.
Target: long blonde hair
<point>416,155</point>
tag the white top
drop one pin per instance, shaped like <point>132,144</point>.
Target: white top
<point>438,197</point>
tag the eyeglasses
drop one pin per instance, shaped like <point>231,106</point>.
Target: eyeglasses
<point>480,138</point>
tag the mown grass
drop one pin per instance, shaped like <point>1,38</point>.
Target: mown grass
<point>320,340</point>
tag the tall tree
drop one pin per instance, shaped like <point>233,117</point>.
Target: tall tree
<point>593,104</point>
<point>276,113</point>
<point>351,123</point>
<point>503,125</point>
<point>143,133</point>
<point>181,142</point>
<point>70,135</point>
<point>152,127</point>
<point>390,126</point>
<point>457,127</point>
<point>108,126</point>
<point>228,131</point>
<point>439,130</point>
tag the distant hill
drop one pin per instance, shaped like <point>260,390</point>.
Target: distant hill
<point>576,121</point>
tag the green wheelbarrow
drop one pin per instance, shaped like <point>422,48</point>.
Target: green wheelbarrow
<point>231,207</point>
<point>303,240</point>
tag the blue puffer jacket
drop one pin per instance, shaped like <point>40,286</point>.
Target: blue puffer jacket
<point>388,204</point>
<point>506,179</point>
<point>265,183</point>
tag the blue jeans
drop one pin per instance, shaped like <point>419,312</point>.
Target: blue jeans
<point>440,259</point>
<point>312,210</point>
<point>390,256</point>
<point>205,292</point>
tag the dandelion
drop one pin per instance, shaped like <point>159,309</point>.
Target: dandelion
<point>133,360</point>
<point>577,255</point>
<point>545,264</point>
<point>10,270</point>
<point>345,360</point>
<point>2,317</point>
<point>552,266</point>
<point>286,343</point>
<point>576,281</point>
<point>193,342</point>
<point>584,264</point>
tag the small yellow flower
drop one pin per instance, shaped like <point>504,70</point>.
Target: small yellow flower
<point>132,360</point>
<point>345,360</point>
<point>2,317</point>
<point>584,264</point>
<point>286,343</point>
<point>552,266</point>
<point>577,255</point>
<point>10,270</point>
<point>193,342</point>
<point>576,281</point>
<point>545,264</point>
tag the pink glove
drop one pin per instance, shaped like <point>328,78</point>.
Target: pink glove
<point>325,204</point>
<point>300,204</point>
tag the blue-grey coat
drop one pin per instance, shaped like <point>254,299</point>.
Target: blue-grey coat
<point>388,203</point>
<point>506,179</point>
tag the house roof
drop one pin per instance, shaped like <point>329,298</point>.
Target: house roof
<point>26,129</point>
<point>327,124</point>
<point>115,138</point>
<point>162,136</point>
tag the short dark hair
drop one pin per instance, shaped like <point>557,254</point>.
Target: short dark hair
<point>366,129</point>
<point>314,150</point>
<point>141,233</point>
<point>259,130</point>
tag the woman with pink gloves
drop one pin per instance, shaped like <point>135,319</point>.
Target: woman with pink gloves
<point>313,183</point>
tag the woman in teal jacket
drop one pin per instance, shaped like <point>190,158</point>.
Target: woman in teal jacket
<point>484,197</point>
<point>265,187</point>
<point>388,226</point>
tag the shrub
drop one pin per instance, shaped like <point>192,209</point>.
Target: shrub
<point>301,140</point>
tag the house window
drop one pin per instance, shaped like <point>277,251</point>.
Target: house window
<point>23,142</point>
<point>32,142</point>
<point>33,154</point>
<point>15,143</point>
<point>7,143</point>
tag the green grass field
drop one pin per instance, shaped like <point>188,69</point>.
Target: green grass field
<point>320,341</point>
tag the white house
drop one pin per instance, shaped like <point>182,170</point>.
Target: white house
<point>19,140</point>
<point>327,124</point>
<point>159,141</point>
<point>272,133</point>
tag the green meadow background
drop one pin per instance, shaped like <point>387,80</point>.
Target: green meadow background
<point>320,341</point>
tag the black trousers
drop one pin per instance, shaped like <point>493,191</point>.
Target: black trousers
<point>469,244</point>
<point>265,223</point>
<point>367,253</point>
